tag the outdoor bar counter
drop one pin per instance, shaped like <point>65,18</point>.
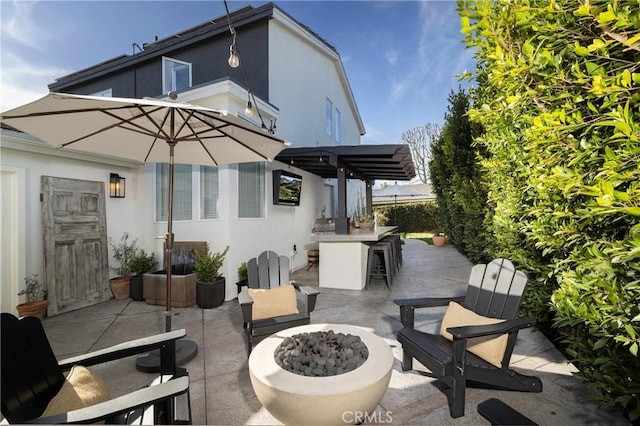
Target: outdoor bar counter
<point>343,257</point>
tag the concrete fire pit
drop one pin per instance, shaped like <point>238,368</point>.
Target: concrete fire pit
<point>344,398</point>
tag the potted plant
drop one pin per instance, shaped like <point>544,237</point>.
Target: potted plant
<point>243,276</point>
<point>36,304</point>
<point>122,252</point>
<point>438,239</point>
<point>210,283</point>
<point>139,264</point>
<point>366,221</point>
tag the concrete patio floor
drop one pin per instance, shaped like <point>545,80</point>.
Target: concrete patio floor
<point>221,392</point>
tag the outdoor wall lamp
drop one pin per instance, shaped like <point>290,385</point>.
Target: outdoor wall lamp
<point>116,186</point>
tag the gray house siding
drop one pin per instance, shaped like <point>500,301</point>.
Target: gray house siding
<point>140,75</point>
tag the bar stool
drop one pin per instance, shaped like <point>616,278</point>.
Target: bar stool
<point>380,263</point>
<point>398,242</point>
<point>395,256</point>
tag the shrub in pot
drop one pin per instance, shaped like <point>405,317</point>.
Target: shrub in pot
<point>210,283</point>
<point>243,276</point>
<point>122,252</point>
<point>36,304</point>
<point>139,264</point>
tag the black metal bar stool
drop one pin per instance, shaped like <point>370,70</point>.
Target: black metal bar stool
<point>380,263</point>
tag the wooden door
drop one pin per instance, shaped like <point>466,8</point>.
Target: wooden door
<point>76,271</point>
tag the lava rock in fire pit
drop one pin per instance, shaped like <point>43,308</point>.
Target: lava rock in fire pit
<point>321,353</point>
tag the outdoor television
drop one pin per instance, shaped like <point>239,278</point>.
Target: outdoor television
<point>287,187</point>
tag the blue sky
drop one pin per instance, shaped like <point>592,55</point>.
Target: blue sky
<point>401,57</point>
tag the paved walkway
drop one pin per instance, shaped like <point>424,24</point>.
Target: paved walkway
<point>221,391</point>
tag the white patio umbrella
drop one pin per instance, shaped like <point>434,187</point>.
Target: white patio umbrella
<point>146,130</point>
<point>395,191</point>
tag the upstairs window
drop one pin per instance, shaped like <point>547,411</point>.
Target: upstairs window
<point>329,114</point>
<point>337,125</point>
<point>106,93</point>
<point>176,75</point>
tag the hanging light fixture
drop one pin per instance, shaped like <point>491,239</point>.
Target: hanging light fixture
<point>249,109</point>
<point>234,59</point>
<point>234,62</point>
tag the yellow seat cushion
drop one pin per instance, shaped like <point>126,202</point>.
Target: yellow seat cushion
<point>489,348</point>
<point>81,388</point>
<point>273,302</point>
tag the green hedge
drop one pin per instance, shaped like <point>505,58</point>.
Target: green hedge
<point>558,99</point>
<point>413,217</point>
<point>457,180</point>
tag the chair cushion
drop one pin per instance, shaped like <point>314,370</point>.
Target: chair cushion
<point>273,302</point>
<point>81,388</point>
<point>489,348</point>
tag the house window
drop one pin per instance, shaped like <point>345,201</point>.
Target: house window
<point>176,75</point>
<point>337,125</point>
<point>106,93</point>
<point>209,192</point>
<point>182,188</point>
<point>329,114</point>
<point>251,190</point>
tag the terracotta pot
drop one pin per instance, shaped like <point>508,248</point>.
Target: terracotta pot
<point>438,240</point>
<point>120,287</point>
<point>37,308</point>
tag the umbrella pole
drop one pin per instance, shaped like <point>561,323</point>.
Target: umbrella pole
<point>182,351</point>
<point>169,237</point>
<point>395,209</point>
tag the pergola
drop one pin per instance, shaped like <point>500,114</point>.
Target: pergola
<point>363,162</point>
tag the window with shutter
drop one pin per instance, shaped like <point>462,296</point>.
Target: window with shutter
<point>182,190</point>
<point>251,190</point>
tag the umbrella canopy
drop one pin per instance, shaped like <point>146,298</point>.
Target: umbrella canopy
<point>137,129</point>
<point>395,191</point>
<point>145,130</point>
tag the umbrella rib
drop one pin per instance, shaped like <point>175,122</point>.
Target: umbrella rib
<point>160,130</point>
<point>122,121</point>
<point>197,135</point>
<point>221,130</point>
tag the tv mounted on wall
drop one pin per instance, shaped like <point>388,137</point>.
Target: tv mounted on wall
<point>287,188</point>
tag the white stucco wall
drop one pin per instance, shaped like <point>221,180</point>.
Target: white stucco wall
<point>303,74</point>
<point>24,160</point>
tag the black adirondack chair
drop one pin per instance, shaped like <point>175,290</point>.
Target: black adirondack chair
<point>494,291</point>
<point>269,271</point>
<point>32,376</point>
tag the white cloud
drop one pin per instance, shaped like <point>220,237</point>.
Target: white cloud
<point>398,89</point>
<point>18,25</point>
<point>392,57</point>
<point>21,82</point>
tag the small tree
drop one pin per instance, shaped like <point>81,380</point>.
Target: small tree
<point>420,140</point>
<point>122,253</point>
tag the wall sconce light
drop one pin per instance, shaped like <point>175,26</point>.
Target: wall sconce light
<point>116,185</point>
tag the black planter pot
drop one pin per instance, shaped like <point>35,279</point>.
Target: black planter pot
<point>210,295</point>
<point>136,287</point>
